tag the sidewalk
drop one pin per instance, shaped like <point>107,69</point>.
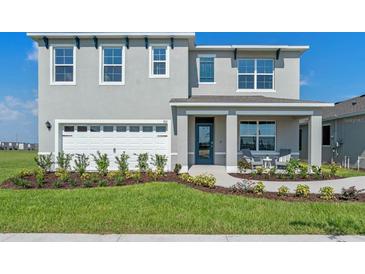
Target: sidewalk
<point>60,237</point>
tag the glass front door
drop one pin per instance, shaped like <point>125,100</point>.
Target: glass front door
<point>204,144</point>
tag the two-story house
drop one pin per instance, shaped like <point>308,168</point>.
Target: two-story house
<point>161,93</point>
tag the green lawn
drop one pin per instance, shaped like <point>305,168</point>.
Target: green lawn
<point>170,208</point>
<point>11,162</point>
<point>342,172</point>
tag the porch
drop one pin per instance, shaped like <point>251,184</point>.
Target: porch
<point>216,135</point>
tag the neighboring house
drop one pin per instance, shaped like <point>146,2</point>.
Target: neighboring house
<point>161,93</point>
<point>343,137</point>
<point>17,146</point>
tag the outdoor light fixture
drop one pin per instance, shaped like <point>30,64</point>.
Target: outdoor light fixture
<point>48,125</point>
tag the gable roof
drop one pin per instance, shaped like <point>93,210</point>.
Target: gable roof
<point>350,107</point>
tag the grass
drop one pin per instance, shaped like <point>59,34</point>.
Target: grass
<point>342,172</point>
<point>11,162</point>
<point>170,208</point>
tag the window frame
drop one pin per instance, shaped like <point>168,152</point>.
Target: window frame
<point>198,68</point>
<point>151,61</point>
<point>52,78</point>
<point>329,135</point>
<point>255,74</point>
<point>102,65</point>
<point>258,135</point>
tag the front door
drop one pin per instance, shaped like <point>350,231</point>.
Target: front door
<point>204,143</point>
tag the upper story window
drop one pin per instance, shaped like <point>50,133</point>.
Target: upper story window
<point>159,62</point>
<point>112,66</point>
<point>206,69</point>
<point>255,74</point>
<point>63,65</point>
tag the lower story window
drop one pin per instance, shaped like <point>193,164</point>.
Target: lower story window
<point>258,135</point>
<point>326,135</point>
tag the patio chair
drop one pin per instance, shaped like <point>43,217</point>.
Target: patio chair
<point>247,155</point>
<point>284,158</point>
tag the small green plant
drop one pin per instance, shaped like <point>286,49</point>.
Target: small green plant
<point>72,182</point>
<point>20,182</point>
<point>142,160</point>
<point>317,171</point>
<point>177,169</point>
<point>160,162</point>
<point>302,191</point>
<point>44,161</point>
<point>186,177</point>
<point>87,179</point>
<point>112,175</point>
<point>333,170</point>
<point>122,162</point>
<point>58,183</point>
<point>291,168</point>
<point>243,165</point>
<point>259,171</point>
<point>39,177</point>
<point>206,180</point>
<point>81,163</point>
<point>119,180</point>
<point>259,188</point>
<point>136,176</point>
<point>64,160</point>
<point>272,171</point>
<point>327,193</point>
<point>25,173</point>
<point>238,188</point>
<point>102,163</point>
<point>87,183</point>
<point>283,191</point>
<point>102,183</point>
<point>63,174</point>
<point>154,175</point>
<point>303,173</point>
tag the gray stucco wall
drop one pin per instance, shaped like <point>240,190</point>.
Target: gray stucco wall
<point>351,131</point>
<point>286,75</point>
<point>140,98</point>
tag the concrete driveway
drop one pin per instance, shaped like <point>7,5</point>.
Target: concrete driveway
<point>226,180</point>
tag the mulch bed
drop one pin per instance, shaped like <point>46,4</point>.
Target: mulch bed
<point>267,177</point>
<point>172,177</point>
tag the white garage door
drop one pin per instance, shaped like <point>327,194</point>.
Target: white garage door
<point>114,139</point>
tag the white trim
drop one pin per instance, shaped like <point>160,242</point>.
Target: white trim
<point>58,122</point>
<point>231,169</point>
<point>111,34</point>
<point>191,153</point>
<point>167,61</point>
<point>213,104</point>
<point>102,65</point>
<point>173,153</point>
<point>52,76</point>
<point>255,47</point>
<point>219,153</point>
<point>184,169</point>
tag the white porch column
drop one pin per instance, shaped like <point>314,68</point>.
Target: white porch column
<point>231,143</point>
<point>315,140</point>
<point>182,142</point>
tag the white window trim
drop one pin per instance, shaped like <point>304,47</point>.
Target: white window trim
<point>150,49</point>
<point>52,76</point>
<point>198,68</point>
<point>258,136</point>
<point>255,89</point>
<point>101,65</point>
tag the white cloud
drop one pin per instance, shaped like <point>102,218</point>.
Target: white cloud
<point>33,54</point>
<point>13,108</point>
<point>304,82</point>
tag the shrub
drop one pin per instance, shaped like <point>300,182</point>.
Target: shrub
<point>72,182</point>
<point>177,168</point>
<point>303,171</point>
<point>102,183</point>
<point>112,175</point>
<point>122,162</point>
<point>62,174</point>
<point>136,176</point>
<point>327,193</point>
<point>206,180</point>
<point>25,173</point>
<point>39,177</point>
<point>283,191</point>
<point>238,187</point>
<point>350,193</point>
<point>302,190</point>
<point>243,165</point>
<point>102,163</point>
<point>87,183</point>
<point>58,183</point>
<point>81,163</point>
<point>89,178</point>
<point>259,170</point>
<point>119,180</point>
<point>186,177</point>
<point>142,160</point>
<point>85,177</point>
<point>20,182</point>
<point>326,175</point>
<point>153,175</point>
<point>259,188</point>
<point>292,167</point>
<point>44,161</point>
<point>333,169</point>
<point>64,160</point>
<point>317,171</point>
<point>272,171</point>
<point>159,161</point>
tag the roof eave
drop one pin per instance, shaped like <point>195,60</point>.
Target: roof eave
<point>233,104</point>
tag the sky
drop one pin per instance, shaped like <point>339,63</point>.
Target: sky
<point>333,69</point>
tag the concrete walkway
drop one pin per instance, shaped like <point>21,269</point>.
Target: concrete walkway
<point>226,180</point>
<point>61,237</point>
